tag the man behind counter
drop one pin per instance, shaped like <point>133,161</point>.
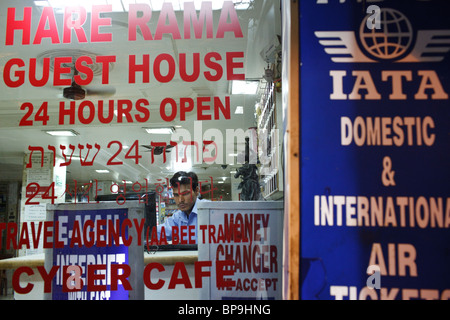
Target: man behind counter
<point>185,192</point>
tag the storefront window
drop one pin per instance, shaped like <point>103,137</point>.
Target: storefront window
<point>104,101</point>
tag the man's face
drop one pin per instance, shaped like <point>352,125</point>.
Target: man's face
<point>185,197</point>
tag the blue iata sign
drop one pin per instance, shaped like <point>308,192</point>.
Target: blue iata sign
<point>93,255</point>
<point>375,149</point>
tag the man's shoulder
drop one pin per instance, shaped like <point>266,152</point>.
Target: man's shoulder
<point>177,213</point>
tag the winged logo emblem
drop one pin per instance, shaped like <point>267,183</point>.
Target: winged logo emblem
<point>392,42</point>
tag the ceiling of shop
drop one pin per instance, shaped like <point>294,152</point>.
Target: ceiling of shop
<point>260,23</point>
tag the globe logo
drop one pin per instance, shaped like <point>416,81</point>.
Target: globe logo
<point>392,39</point>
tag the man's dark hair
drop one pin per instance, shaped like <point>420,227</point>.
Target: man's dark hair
<point>182,177</point>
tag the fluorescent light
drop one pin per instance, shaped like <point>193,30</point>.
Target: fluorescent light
<point>41,3</point>
<point>239,110</point>
<point>59,5</point>
<point>167,130</point>
<point>62,133</point>
<point>216,4</point>
<point>241,5</point>
<point>102,171</point>
<point>156,5</point>
<point>114,187</point>
<point>244,87</point>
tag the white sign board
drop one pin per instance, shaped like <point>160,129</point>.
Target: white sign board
<point>244,240</point>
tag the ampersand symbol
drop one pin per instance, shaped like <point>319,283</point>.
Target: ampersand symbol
<point>387,176</point>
